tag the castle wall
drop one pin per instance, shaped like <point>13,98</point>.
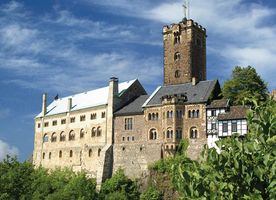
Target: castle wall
<point>132,151</point>
<point>47,153</point>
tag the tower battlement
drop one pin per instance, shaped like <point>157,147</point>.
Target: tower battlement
<point>185,24</point>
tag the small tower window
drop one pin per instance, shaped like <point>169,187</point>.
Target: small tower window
<point>176,56</point>
<point>177,74</point>
<point>90,153</point>
<point>60,154</point>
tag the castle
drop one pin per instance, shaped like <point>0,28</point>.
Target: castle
<point>121,126</point>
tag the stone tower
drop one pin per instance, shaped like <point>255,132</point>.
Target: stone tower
<point>184,52</point>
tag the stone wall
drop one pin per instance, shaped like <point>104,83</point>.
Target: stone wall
<point>187,58</point>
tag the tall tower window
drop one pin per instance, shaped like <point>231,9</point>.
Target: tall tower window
<point>176,38</point>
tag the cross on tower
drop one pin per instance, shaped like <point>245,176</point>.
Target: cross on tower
<point>186,7</point>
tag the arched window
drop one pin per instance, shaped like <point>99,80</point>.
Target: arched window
<point>171,114</point>
<point>171,133</point>
<point>168,134</point>
<point>193,114</point>
<point>197,114</point>
<point>153,134</point>
<point>93,132</point>
<point>54,137</point>
<point>99,131</point>
<point>82,133</point>
<point>99,152</point>
<point>168,114</point>
<point>50,155</point>
<point>156,116</point>
<point>177,74</point>
<point>71,135</point>
<point>90,153</point>
<point>149,116</point>
<point>176,56</point>
<point>71,154</point>
<point>193,133</point>
<point>43,156</point>
<point>153,116</point>
<point>189,114</point>
<point>45,138</point>
<point>62,137</point>
<point>60,154</point>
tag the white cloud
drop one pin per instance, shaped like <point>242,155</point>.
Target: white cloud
<point>50,59</point>
<point>6,149</point>
<point>238,28</point>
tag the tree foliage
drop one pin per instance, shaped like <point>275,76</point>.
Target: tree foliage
<point>245,167</point>
<point>120,186</point>
<point>245,83</point>
<point>22,181</point>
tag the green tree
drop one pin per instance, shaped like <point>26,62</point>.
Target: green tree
<point>121,186</point>
<point>245,83</point>
<point>15,179</point>
<point>245,167</point>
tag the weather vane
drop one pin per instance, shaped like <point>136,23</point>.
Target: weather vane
<point>186,7</point>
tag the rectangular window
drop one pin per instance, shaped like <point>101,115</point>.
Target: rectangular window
<point>132,138</point>
<point>46,124</point>
<point>225,127</point>
<point>179,114</point>
<point>82,118</point>
<point>54,123</point>
<point>234,127</point>
<point>72,120</point>
<point>214,126</point>
<point>38,125</point>
<point>63,121</point>
<point>93,116</point>
<point>123,138</point>
<point>128,124</point>
<point>213,113</point>
<point>103,114</point>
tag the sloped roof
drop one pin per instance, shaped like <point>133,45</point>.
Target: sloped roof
<point>235,112</point>
<point>195,93</point>
<point>83,100</point>
<point>134,107</point>
<point>220,103</point>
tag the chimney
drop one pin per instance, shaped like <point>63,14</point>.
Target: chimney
<point>113,83</point>
<point>194,81</point>
<point>69,105</point>
<point>44,104</point>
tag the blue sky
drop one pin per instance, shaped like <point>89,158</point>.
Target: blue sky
<point>65,47</point>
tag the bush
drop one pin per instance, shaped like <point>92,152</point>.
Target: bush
<point>121,185</point>
<point>151,193</point>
